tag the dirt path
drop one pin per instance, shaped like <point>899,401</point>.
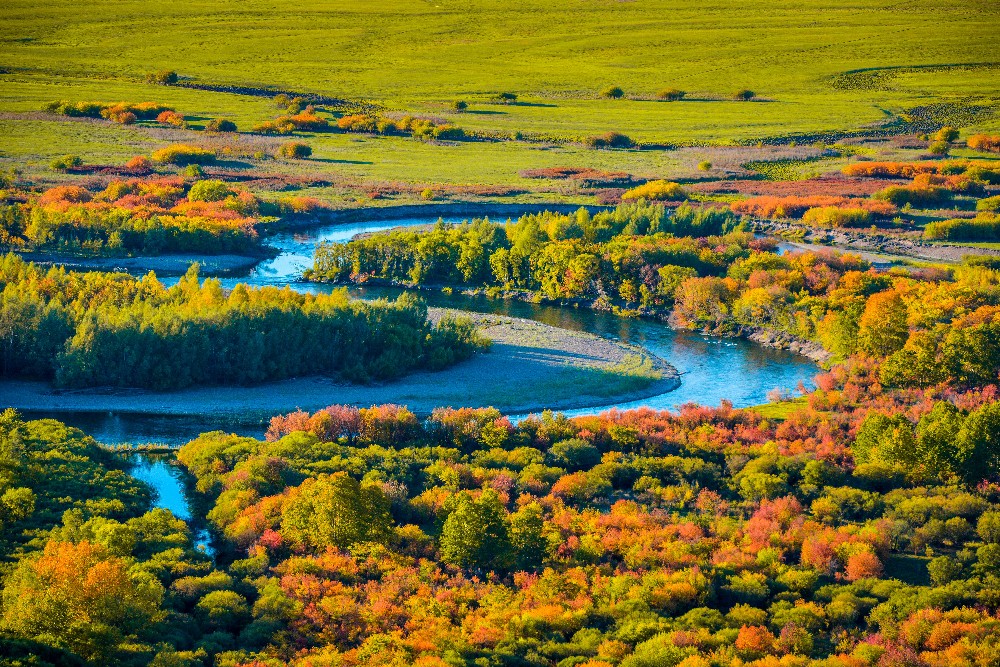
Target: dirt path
<point>531,367</point>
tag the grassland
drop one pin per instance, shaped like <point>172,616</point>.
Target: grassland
<point>817,67</point>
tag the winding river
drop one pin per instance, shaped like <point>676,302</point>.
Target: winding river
<point>712,369</point>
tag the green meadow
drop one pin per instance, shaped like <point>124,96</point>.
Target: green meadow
<point>555,55</point>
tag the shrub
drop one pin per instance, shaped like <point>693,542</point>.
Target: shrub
<point>609,140</point>
<point>984,227</point>
<point>280,127</point>
<point>990,204</point>
<point>220,125</point>
<point>613,93</point>
<point>985,142</point>
<point>183,154</point>
<point>938,148</point>
<point>670,94</point>
<point>704,165</point>
<point>209,190</point>
<point>427,194</point>
<point>295,150</point>
<point>307,121</point>
<point>744,95</point>
<point>917,196</point>
<point>192,171</point>
<point>140,164</point>
<point>448,132</point>
<point>357,123</point>
<point>834,216</point>
<point>459,105</point>
<point>171,118</point>
<point>65,162</point>
<point>656,191</point>
<point>505,98</point>
<point>889,169</point>
<point>946,134</point>
<point>163,77</point>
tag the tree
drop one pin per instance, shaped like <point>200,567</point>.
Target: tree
<point>885,439</point>
<point>527,538</point>
<point>979,444</point>
<point>476,533</point>
<point>335,510</point>
<point>882,328</point>
<point>613,93</point>
<point>937,432</point>
<point>77,596</point>
<point>744,95</point>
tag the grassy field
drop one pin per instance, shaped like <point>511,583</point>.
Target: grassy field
<point>818,66</point>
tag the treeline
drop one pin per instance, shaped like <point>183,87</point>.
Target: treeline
<point>927,325</point>
<point>637,252</point>
<point>149,216</point>
<point>91,329</point>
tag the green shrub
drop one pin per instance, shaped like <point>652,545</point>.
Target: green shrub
<point>609,140</point>
<point>295,150</point>
<point>704,165</point>
<point>220,125</point>
<point>915,196</point>
<point>163,77</point>
<point>946,134</point>
<point>192,171</point>
<point>984,227</point>
<point>744,95</point>
<point>459,105</point>
<point>656,191</point>
<point>613,93</point>
<point>938,148</point>
<point>505,98</point>
<point>65,162</point>
<point>670,95</point>
<point>834,216</point>
<point>183,154</point>
<point>989,205</point>
<point>209,190</point>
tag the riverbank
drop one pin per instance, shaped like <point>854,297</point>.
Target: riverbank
<point>162,265</point>
<point>880,249</point>
<point>531,367</point>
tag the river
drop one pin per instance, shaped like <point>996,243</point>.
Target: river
<point>712,369</point>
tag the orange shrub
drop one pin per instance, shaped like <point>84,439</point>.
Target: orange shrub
<point>890,169</point>
<point>985,142</point>
<point>784,207</point>
<point>71,194</point>
<point>171,118</point>
<point>140,164</point>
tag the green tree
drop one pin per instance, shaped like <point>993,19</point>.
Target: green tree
<point>979,444</point>
<point>937,432</point>
<point>476,533</point>
<point>527,536</point>
<point>885,439</point>
<point>335,510</point>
